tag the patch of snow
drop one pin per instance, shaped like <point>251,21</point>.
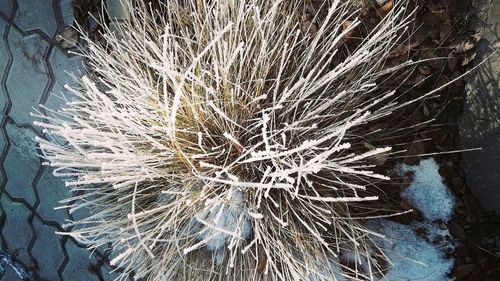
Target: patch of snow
<point>439,236</point>
<point>427,191</point>
<point>411,257</point>
<point>414,257</point>
<point>230,220</point>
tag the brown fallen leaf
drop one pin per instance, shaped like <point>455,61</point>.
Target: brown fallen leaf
<point>444,32</point>
<point>414,150</point>
<point>345,25</point>
<point>386,8</point>
<point>261,265</point>
<point>476,37</point>
<point>468,59</point>
<point>309,28</point>
<point>443,80</point>
<point>398,51</point>
<point>463,46</point>
<point>307,25</point>
<point>443,16</point>
<point>420,36</point>
<point>438,5</point>
<point>424,69</point>
<point>432,58</point>
<point>401,50</point>
<point>408,178</point>
<point>452,63</point>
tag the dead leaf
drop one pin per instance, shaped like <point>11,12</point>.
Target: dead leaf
<point>444,32</point>
<point>425,110</point>
<point>463,46</point>
<point>424,69</point>
<point>307,24</point>
<point>443,80</point>
<point>419,78</point>
<point>452,63</point>
<point>398,51</point>
<point>420,36</point>
<point>443,16</point>
<point>406,205</point>
<point>261,265</point>
<point>468,59</point>
<point>476,37</point>
<point>386,8</point>
<point>408,179</point>
<point>432,58</point>
<point>81,10</point>
<point>414,150</point>
<point>345,25</point>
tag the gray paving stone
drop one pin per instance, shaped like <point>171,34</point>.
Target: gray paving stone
<point>47,251</point>
<point>51,190</point>
<point>108,274</point>
<point>6,7</point>
<point>116,9</point>
<point>64,69</point>
<point>4,57</point>
<point>21,163</point>
<point>3,140</point>
<point>480,122</point>
<point>16,230</point>
<point>67,12</point>
<point>9,275</point>
<point>26,81</point>
<point>36,14</point>
<point>78,266</point>
<point>27,78</point>
<point>81,214</point>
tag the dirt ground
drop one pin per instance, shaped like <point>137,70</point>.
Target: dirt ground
<point>448,27</point>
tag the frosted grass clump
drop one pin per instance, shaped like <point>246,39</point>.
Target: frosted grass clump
<point>227,140</point>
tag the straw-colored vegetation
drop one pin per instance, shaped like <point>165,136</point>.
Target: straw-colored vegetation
<point>231,140</point>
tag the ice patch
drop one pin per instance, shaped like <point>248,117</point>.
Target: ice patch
<point>229,220</point>
<point>427,191</point>
<point>411,257</point>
